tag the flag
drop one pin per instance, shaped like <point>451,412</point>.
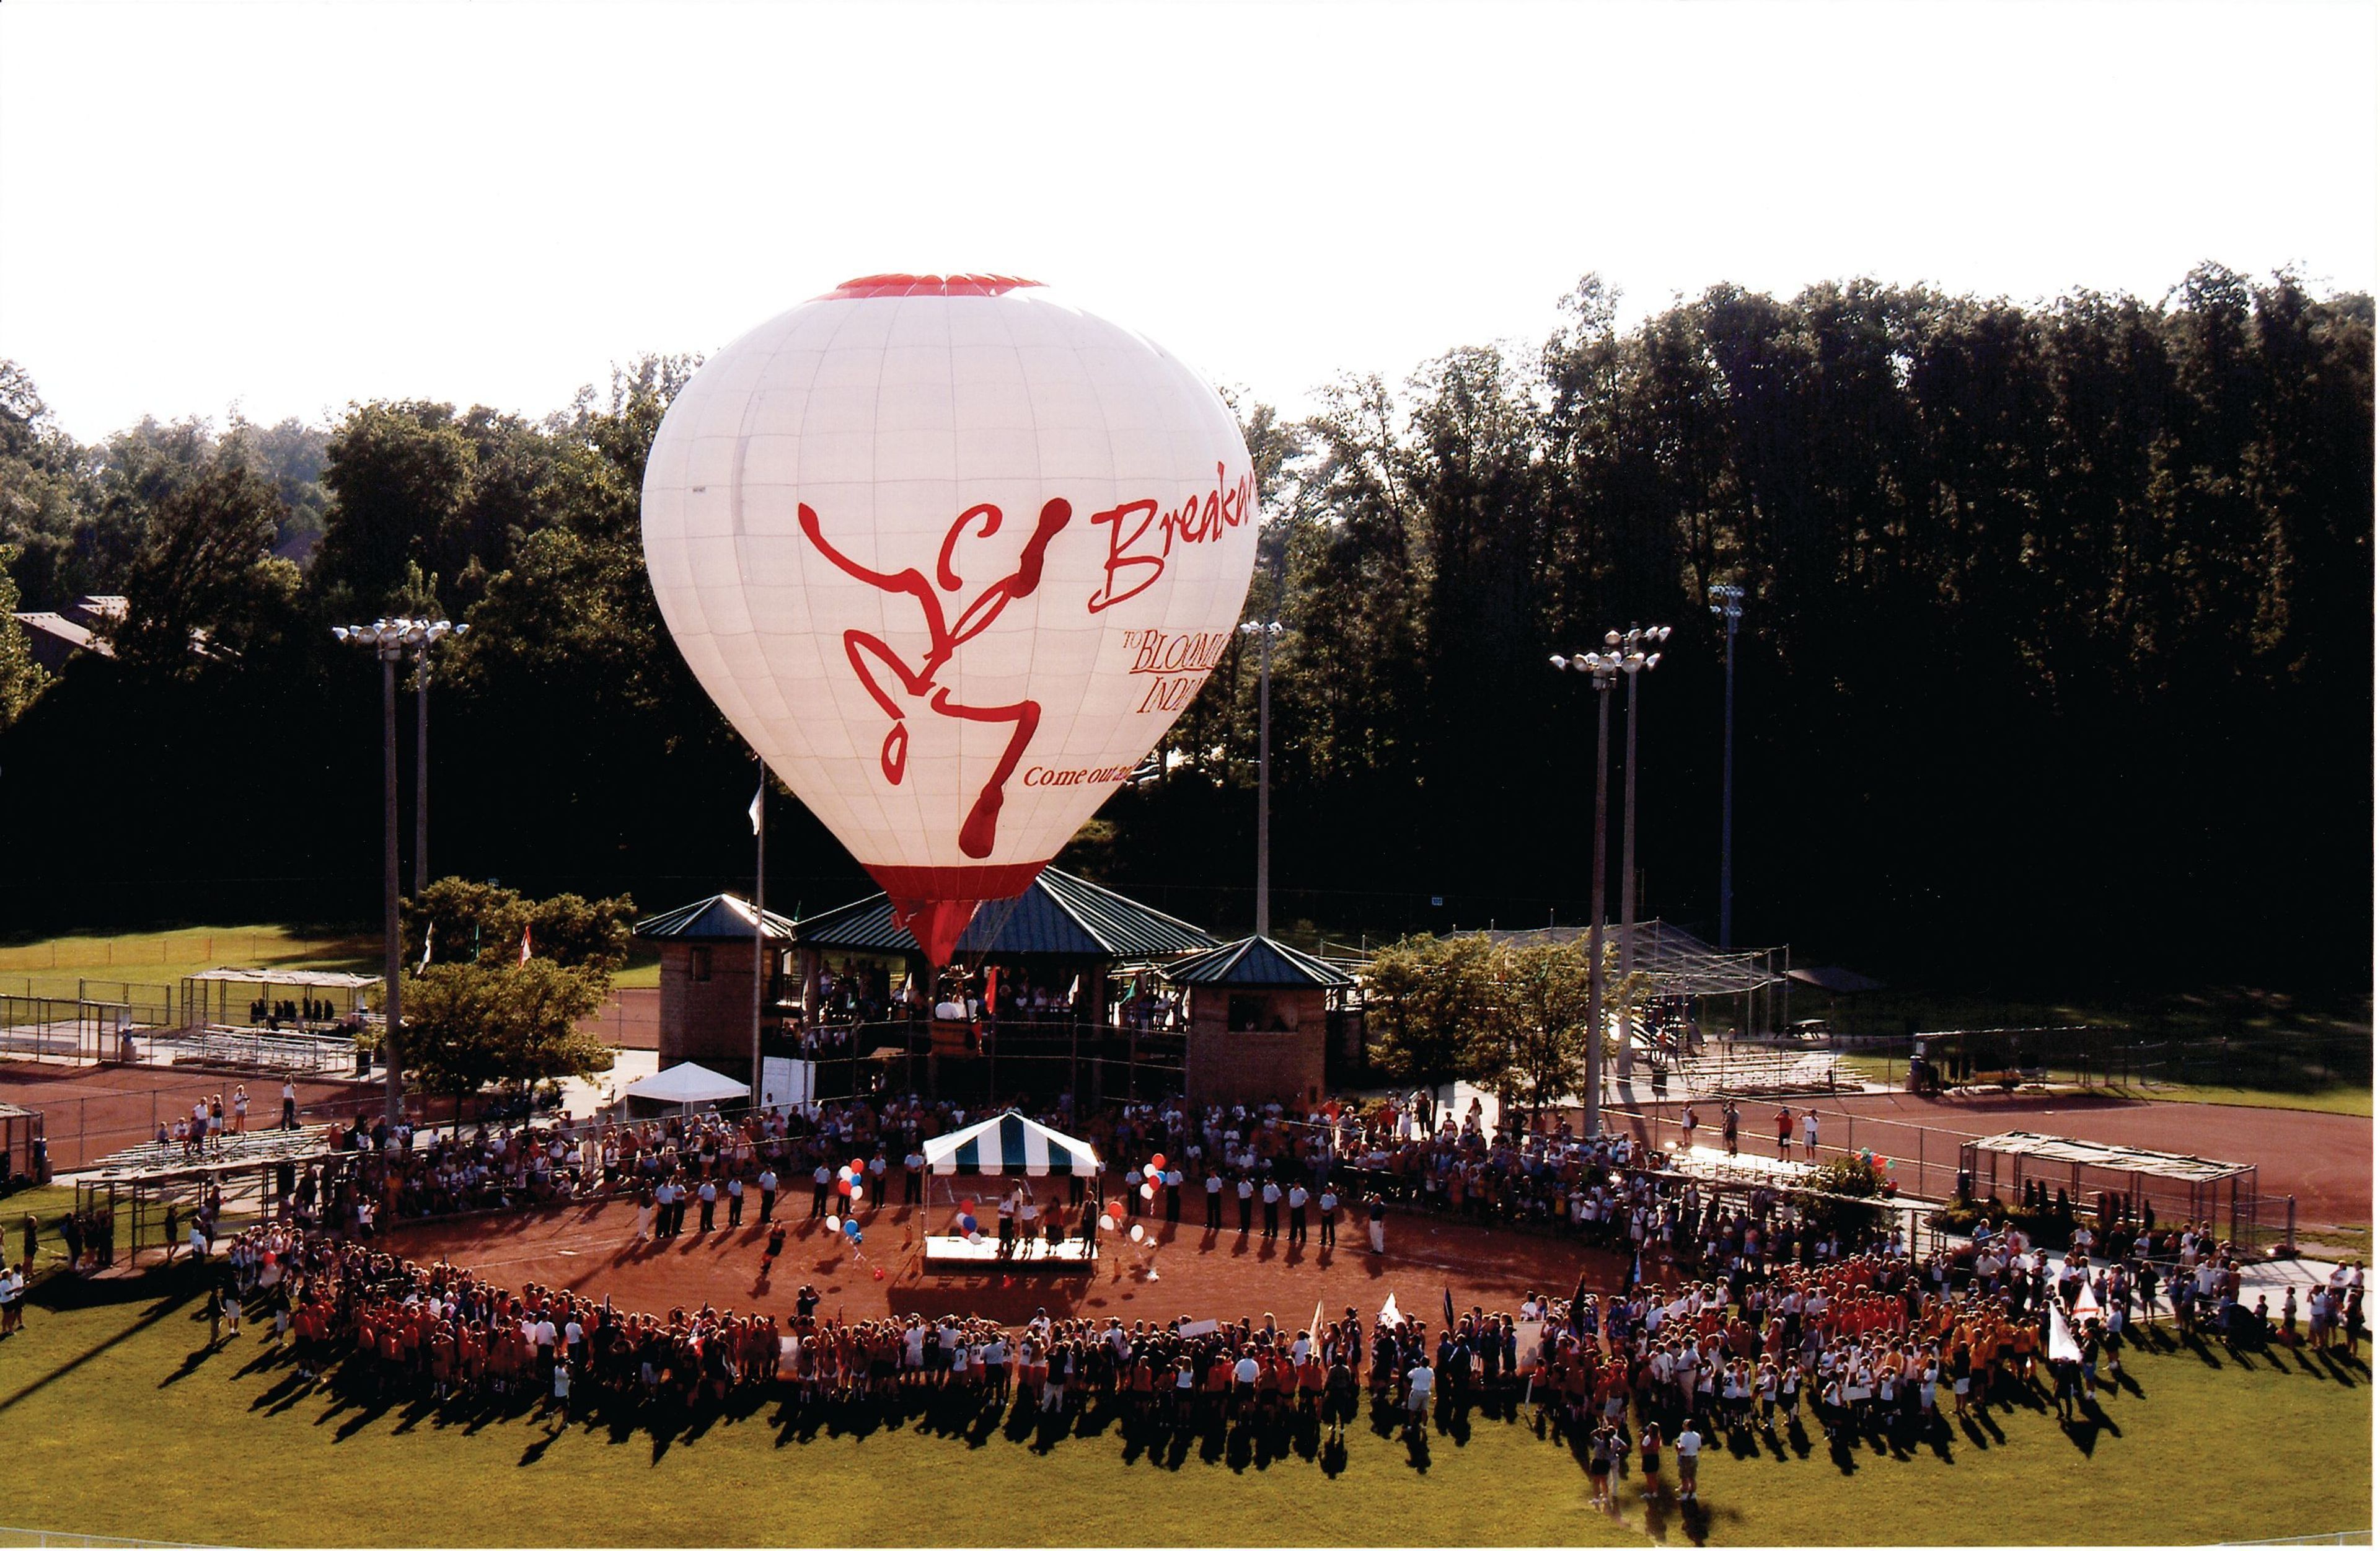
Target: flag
<point>1578,1304</point>
<point>1391,1313</point>
<point>756,804</point>
<point>524,959</point>
<point>1447,1293</point>
<point>2062,1348</point>
<point>1315,1330</point>
<point>2087,1305</point>
<point>429,938</point>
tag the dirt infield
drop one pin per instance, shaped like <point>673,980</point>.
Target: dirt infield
<point>89,1112</point>
<point>2324,1160</point>
<point>587,1249</point>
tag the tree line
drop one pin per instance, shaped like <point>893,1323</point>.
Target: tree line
<point>2056,655</point>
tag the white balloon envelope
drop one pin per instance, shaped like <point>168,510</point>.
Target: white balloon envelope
<point>952,555</point>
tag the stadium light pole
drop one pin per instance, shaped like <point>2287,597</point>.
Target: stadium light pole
<point>388,639</point>
<point>1265,632</point>
<point>433,631</point>
<point>1634,661</point>
<point>1728,608</point>
<point>1602,666</point>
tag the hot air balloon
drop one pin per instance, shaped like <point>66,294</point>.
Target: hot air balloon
<point>952,555</point>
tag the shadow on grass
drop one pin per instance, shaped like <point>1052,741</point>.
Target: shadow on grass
<point>168,1288</point>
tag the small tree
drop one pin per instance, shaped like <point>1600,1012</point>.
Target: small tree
<point>1546,998</point>
<point>468,1025</point>
<point>1445,1012</point>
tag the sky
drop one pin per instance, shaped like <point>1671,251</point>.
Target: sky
<point>277,209</point>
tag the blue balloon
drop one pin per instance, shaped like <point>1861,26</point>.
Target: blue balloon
<point>851,1226</point>
<point>857,1238</point>
<point>966,1224</point>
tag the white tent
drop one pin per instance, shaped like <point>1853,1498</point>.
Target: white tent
<point>686,1083</point>
<point>1009,1144</point>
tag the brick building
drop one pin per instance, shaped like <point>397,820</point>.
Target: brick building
<point>706,1001</point>
<point>1259,1015</point>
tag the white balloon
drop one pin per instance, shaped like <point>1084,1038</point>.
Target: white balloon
<point>1138,1233</point>
<point>834,1225</point>
<point>952,555</point>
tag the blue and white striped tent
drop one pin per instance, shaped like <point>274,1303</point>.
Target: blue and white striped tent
<point>1009,1144</point>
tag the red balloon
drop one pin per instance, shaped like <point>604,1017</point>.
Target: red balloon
<point>843,1187</point>
<point>1157,1159</point>
<point>860,1165</point>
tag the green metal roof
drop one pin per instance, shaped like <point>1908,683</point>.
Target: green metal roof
<point>1256,961</point>
<point>1059,915</point>
<point>722,918</point>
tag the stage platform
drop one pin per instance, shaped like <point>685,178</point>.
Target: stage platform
<point>951,1254</point>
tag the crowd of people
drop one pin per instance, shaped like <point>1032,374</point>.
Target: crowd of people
<point>1865,1339</point>
<point>1740,1311</point>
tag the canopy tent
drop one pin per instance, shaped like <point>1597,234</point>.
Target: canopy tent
<point>686,1083</point>
<point>1009,1144</point>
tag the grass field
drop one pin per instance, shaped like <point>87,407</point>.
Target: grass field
<point>2338,1098</point>
<point>120,1421</point>
<point>52,965</point>
<point>164,957</point>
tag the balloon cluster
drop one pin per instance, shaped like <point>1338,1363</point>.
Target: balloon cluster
<point>1880,1167</point>
<point>967,1225</point>
<point>851,1180</point>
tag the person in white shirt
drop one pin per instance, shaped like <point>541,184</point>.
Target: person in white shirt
<point>1419,1379</point>
<point>1689,1444</point>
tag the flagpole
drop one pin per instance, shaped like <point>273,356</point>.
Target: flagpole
<point>760,918</point>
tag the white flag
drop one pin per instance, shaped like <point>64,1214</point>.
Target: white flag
<point>429,938</point>
<point>755,806</point>
<point>2061,1339</point>
<point>2086,1306</point>
<point>1391,1313</point>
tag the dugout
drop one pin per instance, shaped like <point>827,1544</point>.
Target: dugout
<point>24,1155</point>
<point>2179,1186</point>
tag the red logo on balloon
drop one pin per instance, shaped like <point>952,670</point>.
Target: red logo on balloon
<point>869,654</point>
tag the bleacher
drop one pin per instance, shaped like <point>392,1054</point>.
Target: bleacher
<point>221,1044</point>
<point>1744,1070</point>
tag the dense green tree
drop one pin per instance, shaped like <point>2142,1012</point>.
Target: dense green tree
<point>469,1025</point>
<point>21,679</point>
<point>204,584</point>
